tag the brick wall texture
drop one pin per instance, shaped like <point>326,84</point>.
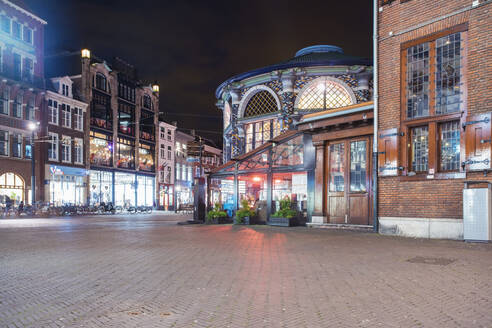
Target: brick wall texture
<point>398,196</point>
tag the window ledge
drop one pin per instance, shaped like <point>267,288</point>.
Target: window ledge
<point>437,176</point>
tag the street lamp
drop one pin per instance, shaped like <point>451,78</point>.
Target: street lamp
<point>33,126</point>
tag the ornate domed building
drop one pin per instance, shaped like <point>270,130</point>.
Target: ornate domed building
<point>261,104</point>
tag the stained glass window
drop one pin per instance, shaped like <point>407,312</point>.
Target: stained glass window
<point>450,146</point>
<point>420,148</point>
<point>323,94</point>
<point>418,80</point>
<point>261,103</point>
<point>448,74</point>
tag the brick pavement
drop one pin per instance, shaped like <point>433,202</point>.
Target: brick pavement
<point>149,272</point>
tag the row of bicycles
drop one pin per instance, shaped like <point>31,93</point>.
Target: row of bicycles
<point>49,210</point>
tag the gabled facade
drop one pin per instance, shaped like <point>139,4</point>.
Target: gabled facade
<point>166,165</point>
<point>64,148</point>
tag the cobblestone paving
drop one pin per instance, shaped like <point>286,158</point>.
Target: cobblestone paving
<point>146,271</point>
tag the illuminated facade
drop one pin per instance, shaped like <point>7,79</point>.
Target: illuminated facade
<point>120,129</point>
<point>259,105</point>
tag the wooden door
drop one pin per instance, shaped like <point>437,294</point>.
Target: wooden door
<point>358,181</point>
<point>349,178</point>
<point>337,202</point>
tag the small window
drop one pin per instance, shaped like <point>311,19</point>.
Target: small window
<point>52,112</point>
<point>28,35</point>
<point>66,119</point>
<point>28,147</point>
<point>16,29</point>
<point>420,149</point>
<point>450,146</point>
<point>418,72</point>
<point>30,110</point>
<point>18,105</point>
<point>78,151</point>
<point>53,147</point>
<point>4,143</point>
<point>28,70</point>
<point>17,145</point>
<point>101,82</point>
<point>66,148</point>
<point>5,24</point>
<point>78,118</point>
<point>4,101</point>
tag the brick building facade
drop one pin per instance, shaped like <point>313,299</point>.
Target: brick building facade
<point>21,97</point>
<point>435,96</point>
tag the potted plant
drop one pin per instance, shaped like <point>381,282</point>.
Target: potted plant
<point>214,216</point>
<point>285,216</point>
<point>245,213</point>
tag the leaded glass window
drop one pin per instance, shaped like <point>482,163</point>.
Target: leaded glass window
<point>261,103</point>
<point>358,164</point>
<point>418,81</point>
<point>448,74</point>
<point>420,149</point>
<point>450,146</point>
<point>337,167</point>
<point>260,132</point>
<point>323,94</point>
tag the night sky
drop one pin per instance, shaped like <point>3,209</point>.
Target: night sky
<point>190,47</point>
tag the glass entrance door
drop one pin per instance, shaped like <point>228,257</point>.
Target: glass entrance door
<point>348,182</point>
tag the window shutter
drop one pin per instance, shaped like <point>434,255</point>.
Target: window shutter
<point>477,142</point>
<point>388,152</point>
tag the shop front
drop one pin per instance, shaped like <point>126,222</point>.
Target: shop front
<point>101,186</point>
<point>166,197</point>
<point>67,185</point>
<point>124,189</point>
<point>281,169</point>
<point>145,190</point>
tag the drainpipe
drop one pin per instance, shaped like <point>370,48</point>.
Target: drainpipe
<point>376,103</point>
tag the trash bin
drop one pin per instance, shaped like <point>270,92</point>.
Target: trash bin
<point>477,212</point>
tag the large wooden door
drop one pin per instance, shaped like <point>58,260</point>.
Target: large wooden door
<point>348,189</point>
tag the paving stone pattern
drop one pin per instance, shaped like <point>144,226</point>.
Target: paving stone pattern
<point>146,271</point>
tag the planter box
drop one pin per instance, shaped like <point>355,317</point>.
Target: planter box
<point>246,220</point>
<point>282,222</point>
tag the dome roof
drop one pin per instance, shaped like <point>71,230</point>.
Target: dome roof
<point>318,55</point>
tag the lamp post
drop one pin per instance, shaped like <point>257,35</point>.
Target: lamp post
<point>33,126</point>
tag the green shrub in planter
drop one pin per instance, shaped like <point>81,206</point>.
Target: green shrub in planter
<point>244,214</point>
<point>285,216</point>
<point>216,214</point>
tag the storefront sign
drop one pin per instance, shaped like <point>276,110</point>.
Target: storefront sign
<point>65,170</point>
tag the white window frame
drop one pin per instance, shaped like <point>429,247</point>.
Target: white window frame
<point>21,34</point>
<point>19,106</point>
<point>78,151</point>
<point>67,117</point>
<point>53,112</point>
<point>53,137</point>
<point>10,19</point>
<point>78,118</point>
<point>66,149</point>
<point>32,35</point>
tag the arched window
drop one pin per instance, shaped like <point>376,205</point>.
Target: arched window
<point>101,82</point>
<point>324,93</point>
<point>227,115</point>
<point>261,103</point>
<point>12,186</point>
